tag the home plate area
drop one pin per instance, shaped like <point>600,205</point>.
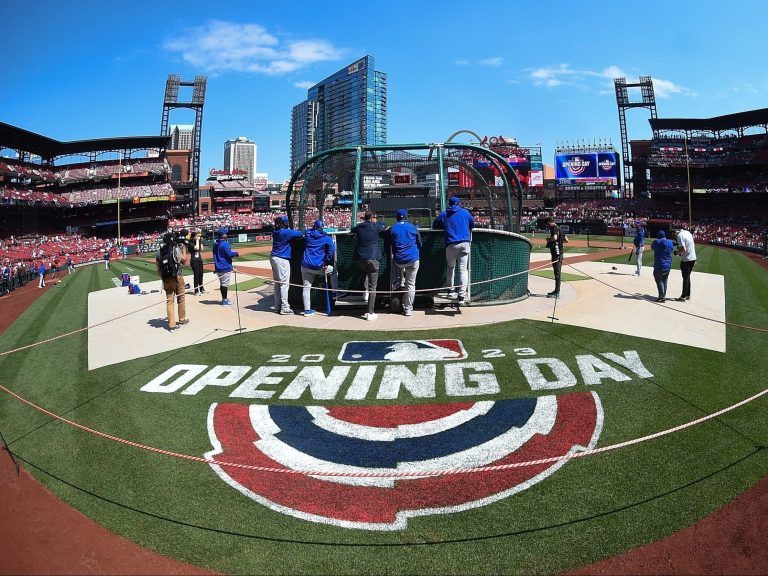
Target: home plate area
<point>611,299</point>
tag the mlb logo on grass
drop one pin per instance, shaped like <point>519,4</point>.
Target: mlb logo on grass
<point>402,351</point>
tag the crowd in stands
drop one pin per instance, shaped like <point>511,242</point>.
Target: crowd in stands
<point>83,197</point>
<point>676,151</point>
<point>713,184</point>
<point>84,172</point>
<point>54,251</point>
<point>340,218</point>
<point>727,223</point>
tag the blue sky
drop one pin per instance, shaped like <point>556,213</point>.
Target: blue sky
<point>538,71</point>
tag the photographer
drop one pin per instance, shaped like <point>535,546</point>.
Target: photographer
<point>195,250</point>
<point>555,245</point>
<point>170,261</point>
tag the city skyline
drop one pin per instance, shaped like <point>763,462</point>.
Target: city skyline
<point>537,76</point>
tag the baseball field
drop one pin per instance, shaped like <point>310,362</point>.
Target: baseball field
<point>529,438</point>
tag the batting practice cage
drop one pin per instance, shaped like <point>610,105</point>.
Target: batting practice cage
<point>338,186</point>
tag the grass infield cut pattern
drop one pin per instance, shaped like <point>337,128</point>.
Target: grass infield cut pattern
<point>588,509</point>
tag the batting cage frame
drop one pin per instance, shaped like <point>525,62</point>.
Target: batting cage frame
<point>419,178</point>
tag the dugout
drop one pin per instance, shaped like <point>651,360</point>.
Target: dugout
<point>384,178</point>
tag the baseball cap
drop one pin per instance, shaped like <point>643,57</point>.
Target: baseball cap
<point>401,213</point>
<point>661,234</point>
<point>318,224</point>
<point>284,218</point>
<point>223,231</point>
<point>454,200</point>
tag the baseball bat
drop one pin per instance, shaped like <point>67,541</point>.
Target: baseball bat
<point>630,255</point>
<point>327,294</point>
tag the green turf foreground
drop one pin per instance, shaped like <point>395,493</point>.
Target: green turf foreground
<point>591,508</point>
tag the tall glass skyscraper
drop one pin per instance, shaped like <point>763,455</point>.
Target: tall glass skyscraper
<point>346,109</point>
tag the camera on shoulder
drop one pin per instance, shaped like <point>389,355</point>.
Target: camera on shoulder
<point>175,237</point>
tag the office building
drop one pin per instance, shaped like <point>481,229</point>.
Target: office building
<point>181,136</point>
<point>346,109</point>
<point>240,156</point>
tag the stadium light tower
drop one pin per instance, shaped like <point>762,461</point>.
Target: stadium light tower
<point>170,102</point>
<point>648,100</point>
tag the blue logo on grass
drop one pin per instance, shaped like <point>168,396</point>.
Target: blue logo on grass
<point>403,351</point>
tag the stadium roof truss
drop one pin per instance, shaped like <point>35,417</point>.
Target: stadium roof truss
<point>27,143</point>
<point>737,122</point>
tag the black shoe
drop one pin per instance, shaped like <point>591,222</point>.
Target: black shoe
<point>681,299</point>
<point>660,299</point>
<point>553,294</point>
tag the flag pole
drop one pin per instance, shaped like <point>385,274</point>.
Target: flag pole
<point>688,171</point>
<point>119,175</point>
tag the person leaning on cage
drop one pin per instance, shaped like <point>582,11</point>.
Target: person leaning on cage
<point>406,247</point>
<point>457,223</point>
<point>170,260</point>
<point>222,263</point>
<point>367,255</point>
<point>280,259</point>
<point>318,258</point>
<point>687,251</point>
<point>639,242</point>
<point>662,263</point>
<point>195,250</point>
<point>555,245</point>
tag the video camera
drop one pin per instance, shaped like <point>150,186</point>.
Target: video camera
<point>176,237</point>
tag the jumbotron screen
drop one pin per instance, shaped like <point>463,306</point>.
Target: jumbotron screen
<point>583,167</point>
<point>526,162</point>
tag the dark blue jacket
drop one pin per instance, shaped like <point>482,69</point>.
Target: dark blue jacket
<point>319,250</point>
<point>406,242</point>
<point>367,247</point>
<point>662,254</point>
<point>222,256</point>
<point>281,242</point>
<point>457,222</point>
<point>639,237</point>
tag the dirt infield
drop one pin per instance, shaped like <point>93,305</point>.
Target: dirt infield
<point>41,534</point>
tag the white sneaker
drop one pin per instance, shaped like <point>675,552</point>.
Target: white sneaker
<point>371,316</point>
<point>406,312</point>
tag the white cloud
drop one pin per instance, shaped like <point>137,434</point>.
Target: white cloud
<point>550,76</point>
<point>563,74</point>
<point>667,88</point>
<point>747,88</point>
<point>304,84</point>
<point>495,61</point>
<point>219,46</point>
